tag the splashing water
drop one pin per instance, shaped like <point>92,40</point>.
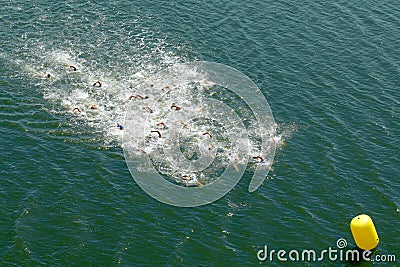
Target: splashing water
<point>186,127</point>
<point>95,97</point>
<point>88,94</point>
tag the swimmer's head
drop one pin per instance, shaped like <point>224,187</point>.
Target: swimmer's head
<point>158,133</point>
<point>149,109</point>
<point>207,133</point>
<point>97,84</point>
<point>175,107</point>
<point>162,125</point>
<point>258,159</point>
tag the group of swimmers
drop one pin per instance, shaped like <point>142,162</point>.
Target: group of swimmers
<point>161,125</point>
<point>95,84</point>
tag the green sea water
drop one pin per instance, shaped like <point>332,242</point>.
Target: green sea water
<point>329,70</point>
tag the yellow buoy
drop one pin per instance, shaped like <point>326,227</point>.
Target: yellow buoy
<point>364,232</point>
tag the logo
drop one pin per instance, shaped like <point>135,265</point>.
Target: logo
<point>192,130</point>
<point>340,253</point>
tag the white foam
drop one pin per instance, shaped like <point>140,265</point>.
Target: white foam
<point>68,89</point>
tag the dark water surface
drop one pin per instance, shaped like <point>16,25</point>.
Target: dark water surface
<point>329,71</point>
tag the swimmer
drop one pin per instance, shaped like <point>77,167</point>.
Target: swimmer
<point>259,159</point>
<point>207,133</point>
<point>97,84</point>
<point>190,180</point>
<point>235,166</point>
<point>181,122</point>
<point>73,68</point>
<point>48,75</point>
<point>77,110</point>
<point>132,85</point>
<point>93,107</point>
<point>158,132</point>
<point>162,124</point>
<point>166,88</point>
<point>148,109</point>
<point>138,96</point>
<point>120,126</point>
<point>186,178</point>
<point>175,107</point>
